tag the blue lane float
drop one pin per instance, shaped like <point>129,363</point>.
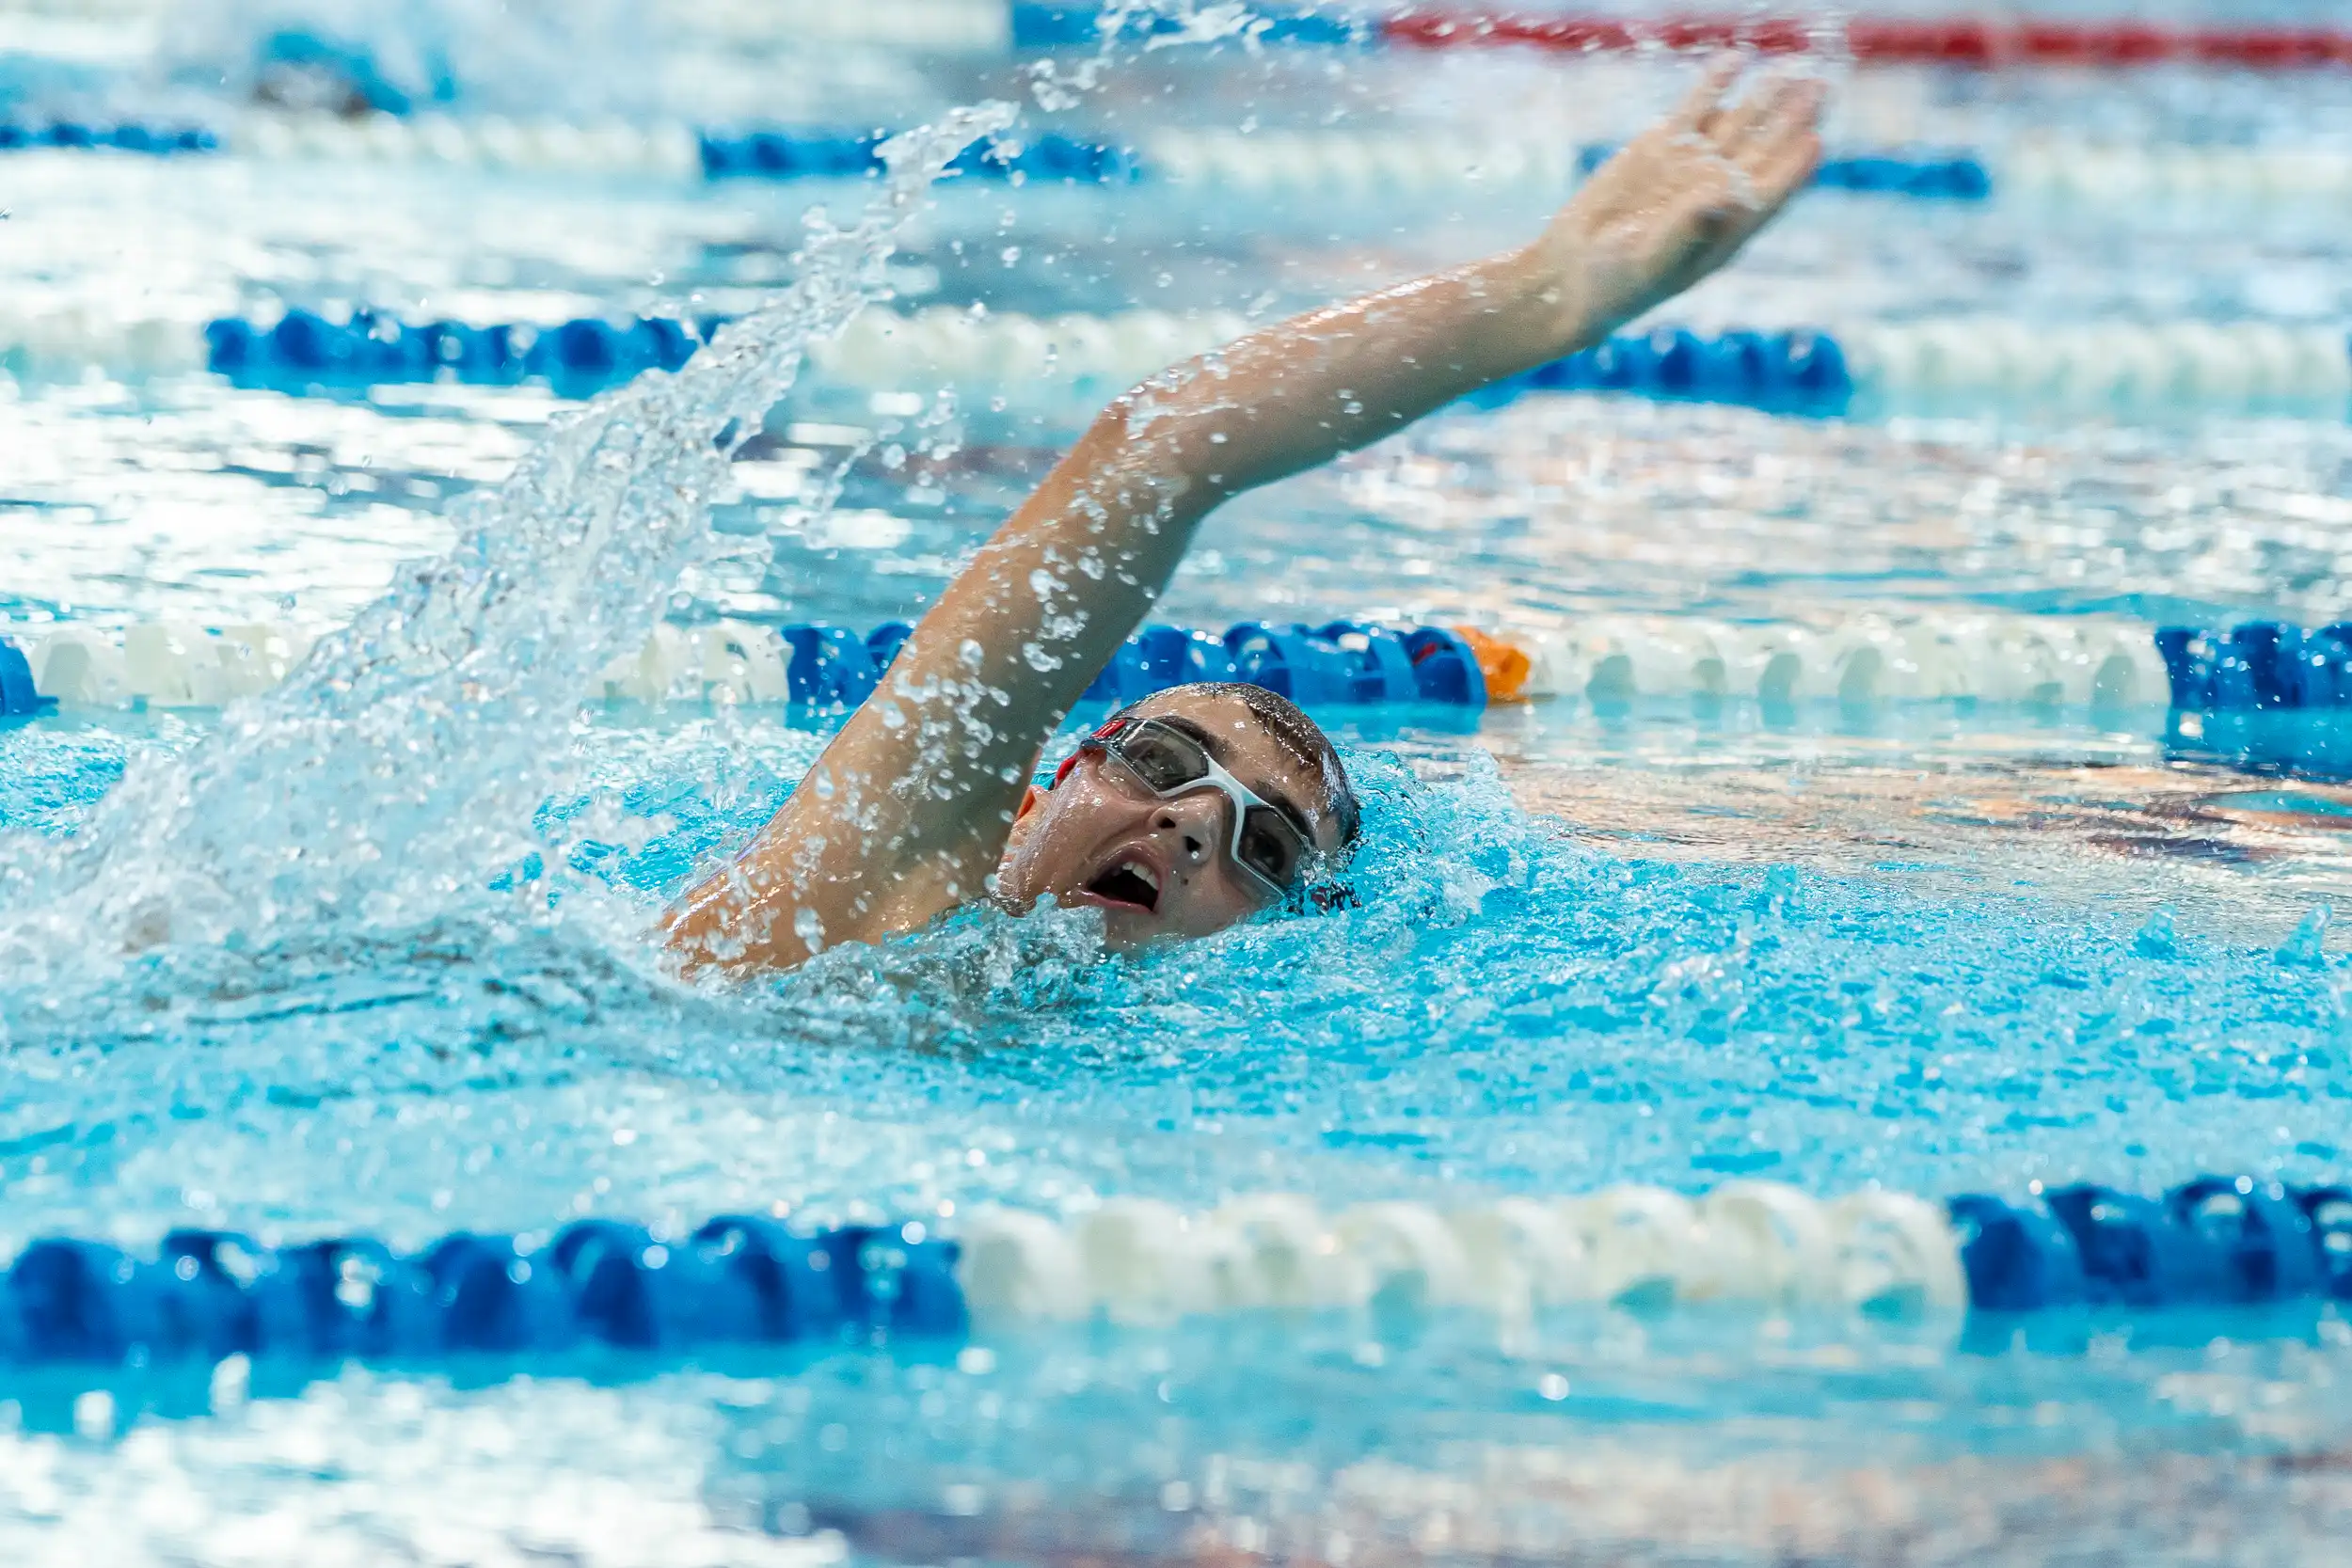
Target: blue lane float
<point>304,348</point>
<point>738,1280</point>
<point>18,699</point>
<point>1922,175</point>
<point>774,155</point>
<point>2258,666</point>
<point>1336,663</point>
<point>781,155</point>
<point>2262,697</point>
<point>151,140</point>
<point>2213,1241</point>
<point>1039,26</point>
<point>1799,371</point>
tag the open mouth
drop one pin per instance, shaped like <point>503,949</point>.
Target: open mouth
<point>1130,883</point>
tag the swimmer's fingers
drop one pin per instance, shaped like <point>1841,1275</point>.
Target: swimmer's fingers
<point>1737,128</point>
<point>1725,201</point>
<point>1785,149</point>
<point>1705,101</point>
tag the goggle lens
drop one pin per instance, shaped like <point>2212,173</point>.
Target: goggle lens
<point>1163,759</point>
<point>1269,845</point>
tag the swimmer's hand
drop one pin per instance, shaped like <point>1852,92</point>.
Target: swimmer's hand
<point>1680,200</point>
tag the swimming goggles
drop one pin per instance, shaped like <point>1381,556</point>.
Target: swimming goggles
<point>1269,843</point>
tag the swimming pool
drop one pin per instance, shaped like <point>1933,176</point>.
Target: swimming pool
<point>365,957</point>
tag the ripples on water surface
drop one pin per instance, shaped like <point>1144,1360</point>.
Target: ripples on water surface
<point>1924,948</point>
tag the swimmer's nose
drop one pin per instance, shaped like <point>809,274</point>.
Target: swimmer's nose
<point>1196,828</point>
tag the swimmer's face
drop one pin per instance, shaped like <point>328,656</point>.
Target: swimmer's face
<point>1159,869</point>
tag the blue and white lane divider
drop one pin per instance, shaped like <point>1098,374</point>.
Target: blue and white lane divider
<point>371,350</point>
<point>1081,359</point>
<point>156,664</point>
<point>1266,162</point>
<point>206,1295</point>
<point>1068,366</point>
<point>2040,661</point>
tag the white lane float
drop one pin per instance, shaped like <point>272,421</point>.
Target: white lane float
<point>1868,660</point>
<point>2181,364</point>
<point>1764,1245</point>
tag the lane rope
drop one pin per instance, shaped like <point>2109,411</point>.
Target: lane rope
<point>180,664</point>
<point>205,1295</point>
<point>933,26</point>
<point>1865,661</point>
<point>1342,164</point>
<point>1073,363</point>
<point>2179,365</point>
<point>1981,43</point>
<point>1069,365</point>
<point>1958,39</point>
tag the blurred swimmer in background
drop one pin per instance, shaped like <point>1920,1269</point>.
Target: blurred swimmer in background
<point>360,57</point>
<point>1201,804</point>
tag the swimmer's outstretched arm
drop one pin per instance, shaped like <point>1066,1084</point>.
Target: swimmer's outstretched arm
<point>906,813</point>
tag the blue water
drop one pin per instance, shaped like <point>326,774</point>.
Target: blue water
<point>1509,1012</point>
<point>406,988</point>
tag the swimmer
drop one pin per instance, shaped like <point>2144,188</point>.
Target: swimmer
<point>1203,804</point>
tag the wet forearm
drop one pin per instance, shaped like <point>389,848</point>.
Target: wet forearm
<point>1299,393</point>
<point>1047,599</point>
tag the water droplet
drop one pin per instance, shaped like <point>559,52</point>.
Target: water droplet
<point>2304,948</point>
<point>2156,938</point>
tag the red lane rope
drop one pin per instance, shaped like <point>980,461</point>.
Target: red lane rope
<point>1959,42</point>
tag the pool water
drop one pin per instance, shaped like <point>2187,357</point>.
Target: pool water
<point>369,955</point>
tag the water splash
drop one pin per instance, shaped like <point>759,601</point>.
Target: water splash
<point>2157,938</point>
<point>2304,948</point>
<point>375,792</point>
